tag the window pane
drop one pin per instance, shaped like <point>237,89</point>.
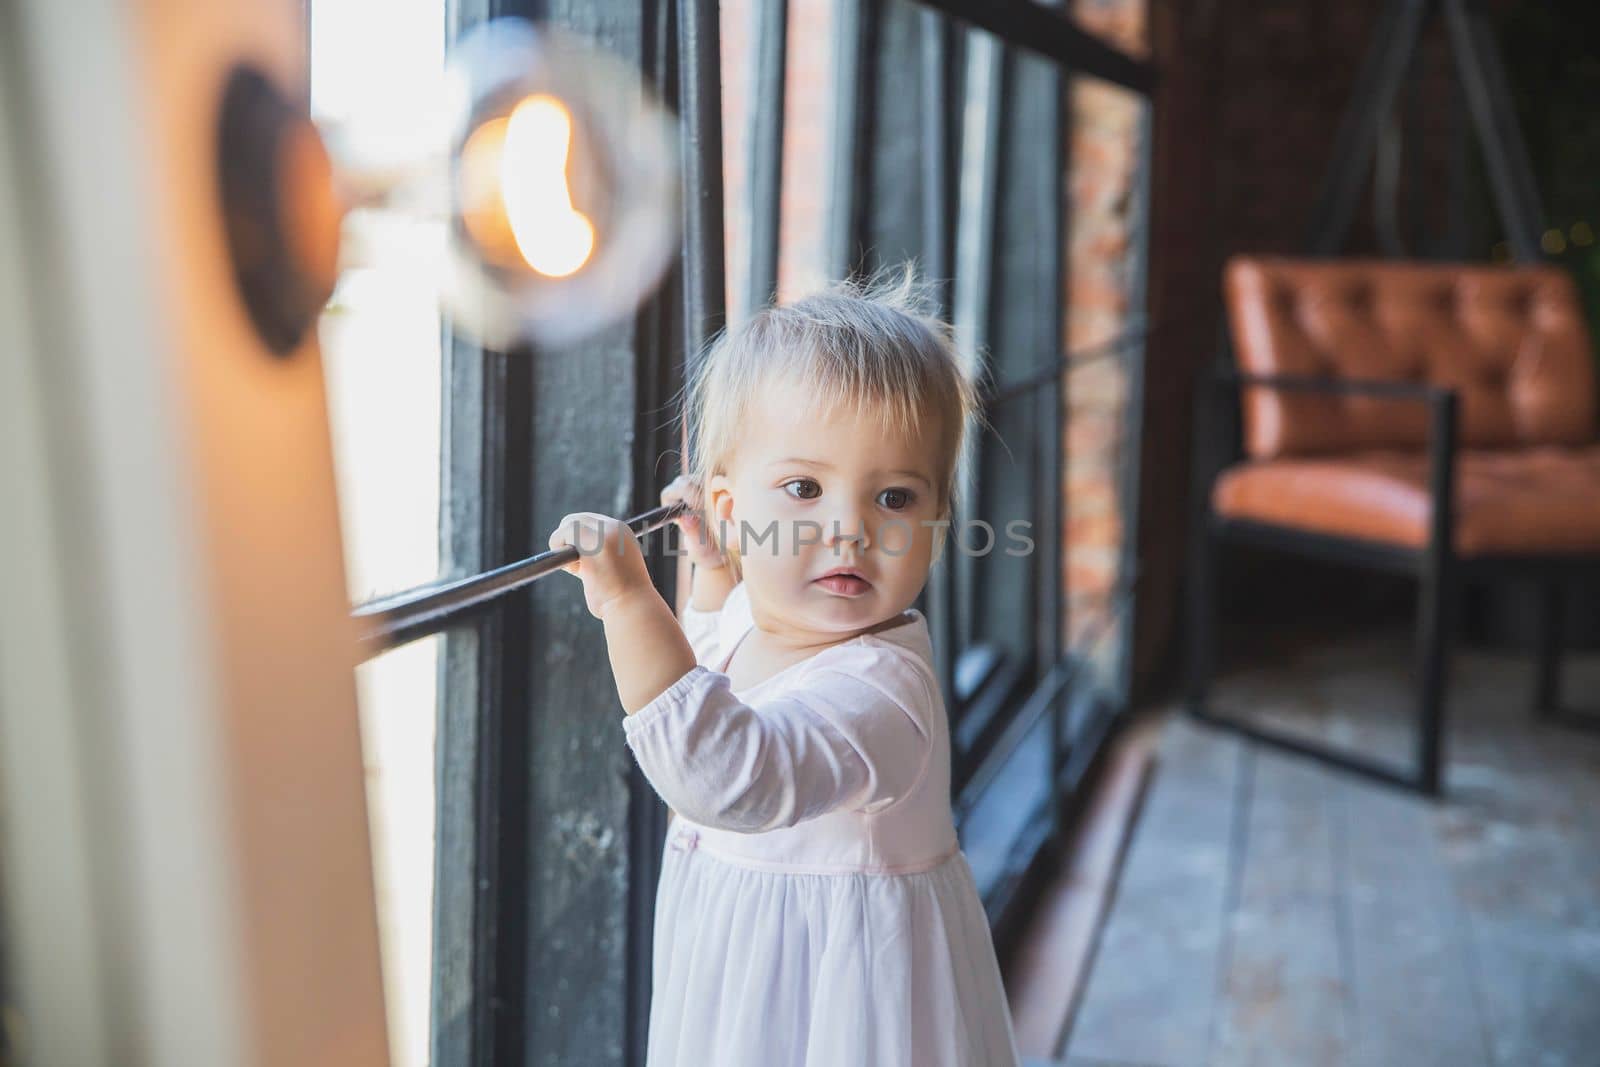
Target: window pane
<point>375,66</point>
<point>398,695</point>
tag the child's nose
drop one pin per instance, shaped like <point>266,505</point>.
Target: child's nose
<point>848,527</point>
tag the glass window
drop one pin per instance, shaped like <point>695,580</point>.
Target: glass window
<point>398,698</point>
<point>376,65</point>
<point>381,335</point>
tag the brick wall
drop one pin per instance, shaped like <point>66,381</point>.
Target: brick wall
<point>1102,260</point>
<point>808,80</point>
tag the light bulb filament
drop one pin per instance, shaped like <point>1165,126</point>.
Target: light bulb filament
<point>554,237</point>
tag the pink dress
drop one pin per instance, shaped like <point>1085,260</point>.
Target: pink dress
<point>815,908</point>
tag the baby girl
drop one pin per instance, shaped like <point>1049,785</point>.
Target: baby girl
<point>815,907</point>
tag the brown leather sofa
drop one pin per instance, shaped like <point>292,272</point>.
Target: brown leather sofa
<point>1437,419</point>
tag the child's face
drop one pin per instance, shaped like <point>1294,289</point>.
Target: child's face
<point>803,489</point>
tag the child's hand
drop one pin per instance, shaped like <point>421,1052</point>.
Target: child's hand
<point>615,570</point>
<point>698,545</point>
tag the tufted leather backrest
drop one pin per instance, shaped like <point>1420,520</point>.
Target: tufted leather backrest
<point>1511,340</point>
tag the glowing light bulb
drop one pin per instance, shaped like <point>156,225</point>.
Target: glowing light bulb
<point>554,238</point>
<point>515,196</point>
<point>563,186</point>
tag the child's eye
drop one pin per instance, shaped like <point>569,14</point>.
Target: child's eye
<point>807,482</point>
<point>905,496</point>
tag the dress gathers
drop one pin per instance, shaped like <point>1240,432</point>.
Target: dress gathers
<point>815,908</point>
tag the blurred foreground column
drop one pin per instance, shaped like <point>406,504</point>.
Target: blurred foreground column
<point>183,834</point>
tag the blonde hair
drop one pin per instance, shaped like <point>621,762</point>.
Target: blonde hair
<point>871,347</point>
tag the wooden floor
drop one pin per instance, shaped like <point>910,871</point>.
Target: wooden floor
<point>1271,911</point>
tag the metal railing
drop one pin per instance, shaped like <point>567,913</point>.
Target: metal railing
<point>391,621</point>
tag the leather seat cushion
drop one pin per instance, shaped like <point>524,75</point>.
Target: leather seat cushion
<point>1530,500</point>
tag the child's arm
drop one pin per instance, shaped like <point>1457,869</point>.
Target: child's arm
<point>648,648</point>
<point>856,734</point>
<point>703,626</point>
<point>647,644</point>
<point>709,588</point>
<point>853,735</point>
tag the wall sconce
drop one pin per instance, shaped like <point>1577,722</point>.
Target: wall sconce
<point>557,174</point>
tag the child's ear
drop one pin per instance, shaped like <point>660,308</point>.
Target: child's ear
<point>719,498</point>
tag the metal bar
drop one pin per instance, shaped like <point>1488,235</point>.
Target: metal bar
<point>1053,399</point>
<point>1304,383</point>
<point>853,22</point>
<point>466,434</point>
<point>1570,568</point>
<point>938,163</point>
<point>1411,133</point>
<point>1458,213</point>
<point>1203,556</point>
<point>1504,153</point>
<point>1045,415</point>
<point>973,304</point>
<point>1436,594</point>
<point>977,197</point>
<point>1371,769</point>
<point>938,156</point>
<point>1394,41</point>
<point>1035,489</point>
<point>705,285</point>
<point>765,125</point>
<point>1353,551</point>
<point>392,621</point>
<point>503,757</point>
<point>1041,700</point>
<point>1089,354</point>
<point>660,370</point>
<point>1051,34</point>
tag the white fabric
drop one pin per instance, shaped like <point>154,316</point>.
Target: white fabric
<point>814,908</point>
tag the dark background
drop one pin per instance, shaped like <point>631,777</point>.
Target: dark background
<point>1251,94</point>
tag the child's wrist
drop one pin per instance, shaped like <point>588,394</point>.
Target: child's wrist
<point>628,600</point>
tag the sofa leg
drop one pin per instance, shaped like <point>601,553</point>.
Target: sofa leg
<point>1547,677</point>
<point>1435,633</point>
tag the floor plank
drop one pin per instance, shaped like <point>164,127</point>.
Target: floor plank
<point>1414,997</point>
<point>1285,993</point>
<point>1520,845</point>
<point>1046,974</point>
<point>1153,1001</point>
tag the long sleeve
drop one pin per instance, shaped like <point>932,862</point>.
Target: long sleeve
<point>850,734</point>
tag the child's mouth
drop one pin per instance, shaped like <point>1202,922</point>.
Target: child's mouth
<point>844,584</point>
